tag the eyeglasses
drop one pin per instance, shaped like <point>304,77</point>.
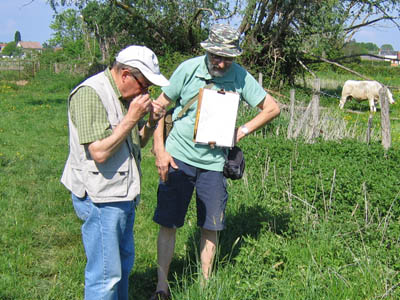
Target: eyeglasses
<point>218,58</point>
<point>142,86</point>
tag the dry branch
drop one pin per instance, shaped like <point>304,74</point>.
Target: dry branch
<point>339,65</point>
<point>368,23</point>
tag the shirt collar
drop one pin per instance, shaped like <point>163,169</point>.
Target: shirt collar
<point>107,72</point>
<point>202,72</point>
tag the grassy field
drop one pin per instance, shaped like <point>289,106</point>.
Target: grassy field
<point>308,221</point>
<point>355,114</point>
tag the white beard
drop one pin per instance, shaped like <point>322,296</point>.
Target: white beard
<point>213,71</point>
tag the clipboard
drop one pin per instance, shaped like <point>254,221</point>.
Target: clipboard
<point>216,118</point>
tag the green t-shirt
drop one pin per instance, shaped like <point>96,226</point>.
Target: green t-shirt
<point>185,83</point>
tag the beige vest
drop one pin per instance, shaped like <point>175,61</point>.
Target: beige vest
<point>118,178</point>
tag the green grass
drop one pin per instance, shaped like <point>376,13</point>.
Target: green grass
<point>40,239</point>
<point>308,221</point>
<point>355,114</point>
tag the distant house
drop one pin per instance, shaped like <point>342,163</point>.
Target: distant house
<point>30,46</point>
<point>2,46</point>
<point>392,56</point>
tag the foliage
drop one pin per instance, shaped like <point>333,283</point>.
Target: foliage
<point>311,173</point>
<point>376,70</point>
<point>11,49</point>
<point>68,35</point>
<point>286,36</point>
<point>280,38</point>
<point>70,40</point>
<point>162,25</point>
<point>354,47</point>
<point>17,37</point>
<point>67,27</point>
<point>102,22</point>
<point>370,47</point>
<point>387,47</point>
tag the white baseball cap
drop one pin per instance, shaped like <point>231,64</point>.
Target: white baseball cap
<point>145,60</point>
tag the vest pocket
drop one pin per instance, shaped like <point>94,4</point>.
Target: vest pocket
<point>107,180</point>
<point>107,184</point>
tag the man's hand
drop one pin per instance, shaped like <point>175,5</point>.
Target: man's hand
<point>138,107</point>
<point>157,112</point>
<point>101,150</point>
<point>163,160</point>
<point>239,135</point>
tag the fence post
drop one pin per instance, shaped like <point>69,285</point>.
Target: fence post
<point>291,121</point>
<point>315,107</point>
<point>369,128</point>
<point>302,120</point>
<point>385,118</point>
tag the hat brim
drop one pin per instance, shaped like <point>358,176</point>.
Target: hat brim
<point>156,79</point>
<point>221,50</point>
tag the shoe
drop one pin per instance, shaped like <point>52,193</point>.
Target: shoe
<point>160,295</point>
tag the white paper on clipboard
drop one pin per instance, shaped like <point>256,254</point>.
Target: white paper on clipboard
<point>216,118</point>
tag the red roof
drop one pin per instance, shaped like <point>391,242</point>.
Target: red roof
<point>30,45</point>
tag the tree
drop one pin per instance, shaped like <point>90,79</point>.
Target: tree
<point>387,47</point>
<point>17,37</point>
<point>163,25</point>
<point>11,49</point>
<point>281,38</point>
<point>69,34</point>
<point>67,27</point>
<point>285,37</point>
<point>353,48</point>
<point>370,47</point>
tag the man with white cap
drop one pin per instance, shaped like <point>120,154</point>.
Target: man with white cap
<point>102,171</point>
<point>184,165</point>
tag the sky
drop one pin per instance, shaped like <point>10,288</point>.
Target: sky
<point>384,33</point>
<point>33,18</point>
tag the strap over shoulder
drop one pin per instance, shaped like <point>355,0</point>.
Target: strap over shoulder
<point>193,100</point>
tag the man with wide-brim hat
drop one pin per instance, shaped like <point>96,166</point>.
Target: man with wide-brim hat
<point>184,165</point>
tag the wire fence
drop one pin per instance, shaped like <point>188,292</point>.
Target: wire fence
<point>25,68</point>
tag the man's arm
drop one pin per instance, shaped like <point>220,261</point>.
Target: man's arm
<point>162,101</point>
<point>269,110</point>
<point>102,149</point>
<point>163,158</point>
<point>157,112</point>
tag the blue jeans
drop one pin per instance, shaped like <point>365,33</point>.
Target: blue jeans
<point>107,234</point>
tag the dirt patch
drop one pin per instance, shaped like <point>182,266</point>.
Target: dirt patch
<point>21,82</point>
